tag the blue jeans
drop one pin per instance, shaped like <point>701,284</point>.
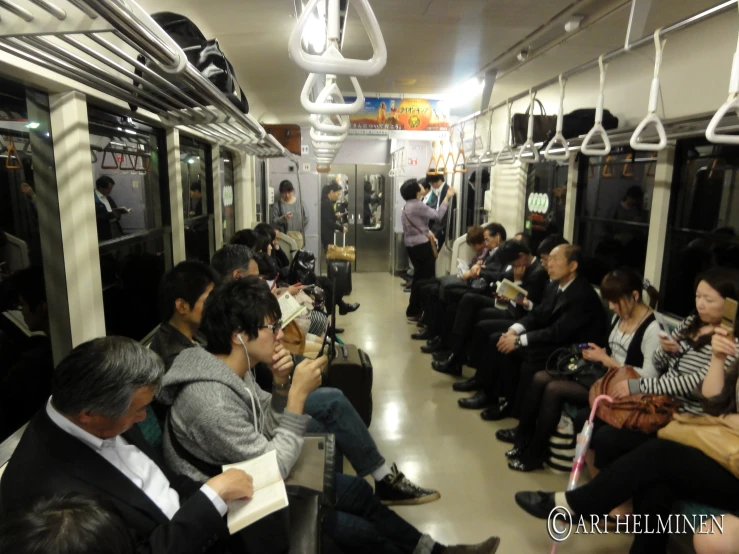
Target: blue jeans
<point>361,524</point>
<point>333,413</point>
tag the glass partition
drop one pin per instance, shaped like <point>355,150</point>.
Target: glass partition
<point>197,201</point>
<point>546,195</point>
<point>228,182</point>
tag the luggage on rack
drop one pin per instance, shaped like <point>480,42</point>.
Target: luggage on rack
<point>288,136</point>
<point>339,271</point>
<point>579,122</point>
<point>204,54</point>
<point>544,126</point>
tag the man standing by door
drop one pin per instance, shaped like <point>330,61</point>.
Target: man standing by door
<point>438,192</point>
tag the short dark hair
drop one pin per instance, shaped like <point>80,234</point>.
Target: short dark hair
<point>525,238</point>
<point>70,523</point>
<point>286,186</point>
<point>573,253</point>
<point>187,280</point>
<point>434,178</point>
<point>29,283</point>
<point>104,181</point>
<point>550,243</point>
<point>424,183</point>
<point>409,189</point>
<point>496,229</point>
<point>475,235</point>
<point>101,376</point>
<point>230,258</point>
<point>266,229</point>
<point>258,242</point>
<point>239,305</point>
<point>196,187</point>
<point>266,266</point>
<point>331,187</point>
<point>511,250</point>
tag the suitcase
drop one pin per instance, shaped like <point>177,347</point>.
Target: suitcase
<point>287,135</point>
<point>351,372</point>
<point>340,273</point>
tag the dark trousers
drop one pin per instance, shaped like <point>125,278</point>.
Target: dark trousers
<point>465,317</point>
<point>424,268</point>
<point>361,523</point>
<point>655,475</point>
<point>611,444</point>
<point>541,410</point>
<point>429,295</point>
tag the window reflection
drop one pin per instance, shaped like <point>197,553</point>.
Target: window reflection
<point>374,201</point>
<point>614,202</point>
<point>196,189</point>
<point>703,220</point>
<point>546,195</point>
<point>228,182</point>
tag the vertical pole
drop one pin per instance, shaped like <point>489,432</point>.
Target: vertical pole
<point>176,207</point>
<point>244,193</point>
<point>217,195</point>
<point>571,201</point>
<point>79,263</point>
<point>659,215</point>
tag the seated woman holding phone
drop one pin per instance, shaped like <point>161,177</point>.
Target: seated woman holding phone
<point>633,341</point>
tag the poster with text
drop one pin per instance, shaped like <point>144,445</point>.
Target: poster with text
<point>381,115</point>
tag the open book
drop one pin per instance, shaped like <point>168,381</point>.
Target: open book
<point>269,492</point>
<point>509,290</point>
<point>290,308</point>
<point>462,267</point>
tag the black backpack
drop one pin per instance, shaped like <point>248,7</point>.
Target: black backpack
<point>302,268</point>
<point>204,54</point>
<point>579,122</point>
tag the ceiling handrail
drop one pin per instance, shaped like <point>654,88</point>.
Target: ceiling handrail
<point>327,137</point>
<point>652,117</point>
<point>558,138</point>
<point>731,104</point>
<point>330,101</point>
<point>529,145</point>
<point>507,145</point>
<point>598,129</point>
<point>332,61</point>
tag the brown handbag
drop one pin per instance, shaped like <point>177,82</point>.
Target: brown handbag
<point>638,412</point>
<point>432,240</point>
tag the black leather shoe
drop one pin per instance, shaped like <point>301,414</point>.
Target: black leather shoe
<point>514,453</point>
<point>538,504</point>
<point>496,413</point>
<point>339,330</point>
<point>507,435</point>
<point>345,308</point>
<point>423,335</point>
<point>470,385</point>
<point>442,355</point>
<point>524,466</point>
<point>477,401</point>
<point>432,347</point>
<point>451,369</point>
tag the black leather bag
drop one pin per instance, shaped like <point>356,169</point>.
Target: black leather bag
<point>544,126</point>
<point>568,363</point>
<point>204,54</point>
<point>302,268</point>
<point>579,122</point>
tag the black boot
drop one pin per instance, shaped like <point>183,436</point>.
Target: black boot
<point>470,385</point>
<point>345,308</point>
<point>426,334</point>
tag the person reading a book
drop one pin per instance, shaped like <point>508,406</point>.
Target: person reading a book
<point>107,212</point>
<point>85,440</point>
<point>219,415</point>
<point>571,312</point>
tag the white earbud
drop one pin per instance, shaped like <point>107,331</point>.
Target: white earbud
<point>251,395</point>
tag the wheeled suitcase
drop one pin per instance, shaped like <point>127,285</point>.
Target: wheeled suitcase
<point>351,372</point>
<point>340,273</point>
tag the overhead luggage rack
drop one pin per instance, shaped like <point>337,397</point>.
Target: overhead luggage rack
<point>100,43</point>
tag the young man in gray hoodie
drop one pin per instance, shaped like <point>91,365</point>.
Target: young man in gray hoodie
<point>219,415</point>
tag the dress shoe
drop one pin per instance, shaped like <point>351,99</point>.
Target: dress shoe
<point>451,366</point>
<point>414,319</point>
<point>538,504</point>
<point>514,453</point>
<point>423,335</point>
<point>470,385</point>
<point>345,308</point>
<point>407,289</point>
<point>507,435</point>
<point>490,546</point>
<point>442,355</point>
<point>339,330</point>
<point>477,401</point>
<point>432,346</point>
<point>496,413</point>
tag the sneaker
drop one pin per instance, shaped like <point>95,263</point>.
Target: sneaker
<point>396,490</point>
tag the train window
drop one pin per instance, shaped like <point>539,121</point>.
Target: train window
<point>228,183</point>
<point>373,202</point>
<point>134,233</point>
<point>703,220</point>
<point>27,191</point>
<point>546,195</point>
<point>614,199</point>
<point>197,189</point>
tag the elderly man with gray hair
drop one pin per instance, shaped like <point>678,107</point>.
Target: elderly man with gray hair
<point>85,441</point>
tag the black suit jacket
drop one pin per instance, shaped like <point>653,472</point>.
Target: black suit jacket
<point>108,226</point>
<point>572,317</point>
<point>439,227</point>
<point>494,269</point>
<point>49,461</point>
<point>535,280</point>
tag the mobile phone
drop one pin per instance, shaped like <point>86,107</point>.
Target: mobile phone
<point>660,321</point>
<point>728,321</point>
<point>583,346</point>
<point>326,341</point>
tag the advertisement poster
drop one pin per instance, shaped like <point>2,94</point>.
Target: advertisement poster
<point>381,115</point>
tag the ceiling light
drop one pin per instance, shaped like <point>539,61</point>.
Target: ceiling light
<point>33,125</point>
<point>465,92</point>
<point>573,23</point>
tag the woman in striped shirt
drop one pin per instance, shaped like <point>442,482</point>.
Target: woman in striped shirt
<point>683,361</point>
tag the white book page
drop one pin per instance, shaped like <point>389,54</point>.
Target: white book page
<point>263,469</point>
<point>290,308</point>
<point>267,500</point>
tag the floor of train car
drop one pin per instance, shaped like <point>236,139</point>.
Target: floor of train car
<point>418,424</point>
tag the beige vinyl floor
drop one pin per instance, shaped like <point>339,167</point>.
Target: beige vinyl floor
<point>417,423</point>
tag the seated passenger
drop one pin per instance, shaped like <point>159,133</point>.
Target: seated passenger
<point>66,524</point>
<point>330,409</point>
<point>234,261</point>
<point>570,313</point>
<point>633,340</point>
<point>26,366</point>
<point>660,472</point>
<point>219,415</point>
<point>85,440</point>
<point>182,294</point>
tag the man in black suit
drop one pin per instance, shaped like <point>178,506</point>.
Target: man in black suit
<point>571,312</point>
<point>527,271</point>
<point>107,213</point>
<point>85,441</point>
<point>438,192</point>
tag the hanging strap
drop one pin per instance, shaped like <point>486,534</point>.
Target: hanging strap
<point>529,145</point>
<point>507,144</point>
<point>731,104</point>
<point>652,118</point>
<point>559,141</point>
<point>598,127</point>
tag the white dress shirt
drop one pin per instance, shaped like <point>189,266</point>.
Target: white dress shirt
<point>135,465</point>
<point>520,329</point>
<point>103,199</point>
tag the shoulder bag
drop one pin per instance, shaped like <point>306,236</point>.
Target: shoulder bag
<point>568,363</point>
<point>432,241</point>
